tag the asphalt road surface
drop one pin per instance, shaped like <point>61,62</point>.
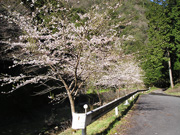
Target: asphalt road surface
<point>156,114</point>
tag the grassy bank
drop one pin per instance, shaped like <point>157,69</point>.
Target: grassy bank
<point>175,91</point>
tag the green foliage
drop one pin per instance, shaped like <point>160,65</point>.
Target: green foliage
<point>46,11</point>
<point>95,91</point>
<point>113,14</point>
<point>177,65</point>
<point>73,14</point>
<point>41,3</point>
<point>163,43</point>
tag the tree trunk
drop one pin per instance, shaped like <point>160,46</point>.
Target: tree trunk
<point>170,71</point>
<point>71,100</point>
<point>99,96</point>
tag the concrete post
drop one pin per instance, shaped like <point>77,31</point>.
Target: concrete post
<point>126,103</point>
<point>116,111</point>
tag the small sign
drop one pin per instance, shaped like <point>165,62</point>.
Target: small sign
<point>79,121</point>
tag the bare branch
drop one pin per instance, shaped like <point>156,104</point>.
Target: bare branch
<point>47,90</point>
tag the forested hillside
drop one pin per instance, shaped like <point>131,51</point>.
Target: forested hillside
<point>52,50</point>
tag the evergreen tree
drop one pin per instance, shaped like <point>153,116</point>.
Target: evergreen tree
<point>152,63</point>
<point>162,58</point>
<point>174,16</point>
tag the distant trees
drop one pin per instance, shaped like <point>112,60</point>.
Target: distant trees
<point>161,60</point>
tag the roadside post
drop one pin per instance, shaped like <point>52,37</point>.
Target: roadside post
<point>116,111</point>
<point>126,103</point>
<point>84,130</point>
<point>79,120</point>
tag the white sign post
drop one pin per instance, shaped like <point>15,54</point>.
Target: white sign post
<point>79,121</point>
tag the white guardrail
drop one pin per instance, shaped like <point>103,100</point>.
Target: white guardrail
<point>81,120</point>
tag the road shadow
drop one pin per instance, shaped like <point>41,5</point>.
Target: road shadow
<point>144,105</point>
<point>163,94</point>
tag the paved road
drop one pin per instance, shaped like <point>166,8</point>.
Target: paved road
<point>156,114</point>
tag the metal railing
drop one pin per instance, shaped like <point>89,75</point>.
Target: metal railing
<point>81,120</point>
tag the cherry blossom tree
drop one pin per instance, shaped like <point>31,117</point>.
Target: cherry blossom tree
<point>69,51</point>
<point>72,52</point>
